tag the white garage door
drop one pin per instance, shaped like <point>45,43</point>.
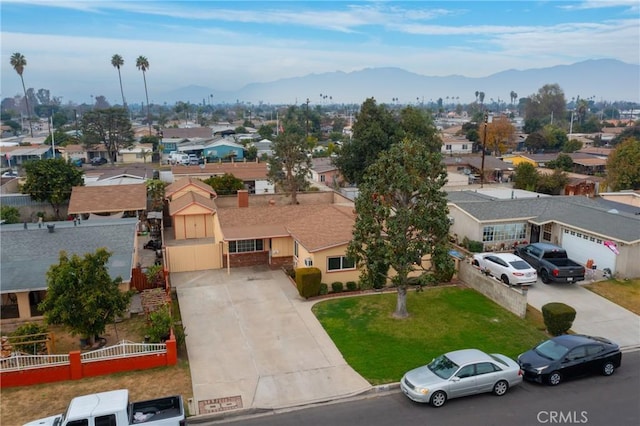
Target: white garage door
<point>581,248</point>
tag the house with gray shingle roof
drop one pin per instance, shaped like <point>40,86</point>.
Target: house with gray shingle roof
<point>588,228</point>
<point>27,252</point>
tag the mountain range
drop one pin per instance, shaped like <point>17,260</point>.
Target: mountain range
<point>600,79</point>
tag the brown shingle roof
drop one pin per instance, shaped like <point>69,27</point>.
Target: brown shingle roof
<point>189,199</point>
<point>314,226</point>
<point>107,198</point>
<point>243,171</point>
<point>181,183</point>
<point>187,132</point>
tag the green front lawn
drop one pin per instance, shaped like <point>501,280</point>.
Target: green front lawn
<point>382,348</point>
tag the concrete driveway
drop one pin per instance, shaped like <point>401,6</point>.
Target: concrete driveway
<point>253,343</point>
<point>595,315</point>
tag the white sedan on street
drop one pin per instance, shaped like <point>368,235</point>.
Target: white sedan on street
<point>507,267</point>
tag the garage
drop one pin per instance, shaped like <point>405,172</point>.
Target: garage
<point>582,247</point>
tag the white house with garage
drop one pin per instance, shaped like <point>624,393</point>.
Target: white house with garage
<point>588,228</point>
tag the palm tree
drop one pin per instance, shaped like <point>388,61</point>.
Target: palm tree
<point>117,62</point>
<point>18,62</point>
<point>142,63</point>
<point>481,96</point>
<point>477,93</point>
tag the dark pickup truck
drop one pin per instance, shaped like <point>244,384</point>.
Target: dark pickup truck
<point>551,262</point>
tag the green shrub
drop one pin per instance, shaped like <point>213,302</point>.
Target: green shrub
<point>352,286</point>
<point>476,246</point>
<point>160,323</point>
<point>291,272</point>
<point>558,317</point>
<point>337,287</point>
<point>35,333</point>
<point>9,214</point>
<point>324,289</point>
<point>308,281</point>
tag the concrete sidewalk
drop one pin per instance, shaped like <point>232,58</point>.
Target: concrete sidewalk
<point>595,315</point>
<point>253,343</point>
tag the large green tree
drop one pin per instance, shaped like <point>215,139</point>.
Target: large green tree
<point>82,296</point>
<point>374,131</point>
<point>51,181</point>
<point>18,62</point>
<point>548,105</point>
<point>623,166</point>
<point>290,164</point>
<point>402,216</point>
<point>110,127</point>
<point>526,177</point>
<point>226,184</point>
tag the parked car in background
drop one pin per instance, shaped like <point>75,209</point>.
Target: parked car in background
<point>551,262</point>
<point>460,373</point>
<point>507,267</point>
<point>570,355</point>
<point>10,174</point>
<point>97,161</point>
<point>193,160</point>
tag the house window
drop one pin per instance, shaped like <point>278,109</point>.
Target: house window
<point>244,246</point>
<point>546,231</point>
<point>295,249</point>
<point>447,147</point>
<point>340,263</point>
<point>504,232</point>
<point>465,147</point>
<point>322,178</point>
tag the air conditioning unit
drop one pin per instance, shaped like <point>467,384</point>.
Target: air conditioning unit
<point>308,262</point>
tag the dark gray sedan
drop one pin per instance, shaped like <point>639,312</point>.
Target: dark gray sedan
<point>570,355</point>
<point>461,373</point>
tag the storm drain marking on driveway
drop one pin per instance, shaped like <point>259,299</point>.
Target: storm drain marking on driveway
<point>208,406</point>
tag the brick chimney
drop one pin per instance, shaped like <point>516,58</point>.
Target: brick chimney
<point>243,198</point>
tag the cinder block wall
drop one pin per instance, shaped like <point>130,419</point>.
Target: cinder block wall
<point>514,299</point>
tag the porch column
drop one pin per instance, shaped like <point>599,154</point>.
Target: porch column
<point>24,308</point>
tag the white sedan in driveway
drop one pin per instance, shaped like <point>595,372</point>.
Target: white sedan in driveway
<point>507,267</point>
<point>461,373</point>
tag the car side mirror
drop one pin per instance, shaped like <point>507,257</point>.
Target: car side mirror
<point>455,379</point>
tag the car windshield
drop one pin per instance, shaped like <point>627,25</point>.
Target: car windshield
<point>551,349</point>
<point>520,264</point>
<point>443,367</point>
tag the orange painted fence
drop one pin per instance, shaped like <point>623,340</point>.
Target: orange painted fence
<point>24,370</point>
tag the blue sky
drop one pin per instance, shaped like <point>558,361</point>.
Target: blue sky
<point>226,45</point>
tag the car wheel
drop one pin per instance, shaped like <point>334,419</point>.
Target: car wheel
<point>608,368</point>
<point>544,276</point>
<point>505,279</point>
<point>438,399</point>
<point>500,388</point>
<point>554,378</point>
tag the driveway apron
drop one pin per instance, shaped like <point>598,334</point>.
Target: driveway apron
<point>253,343</point>
<point>595,315</point>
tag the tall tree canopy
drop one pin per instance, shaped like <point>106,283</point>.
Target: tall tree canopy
<point>375,130</point>
<point>226,184</point>
<point>623,166</point>
<point>51,181</point>
<point>547,105</point>
<point>290,163</point>
<point>110,127</point>
<point>81,294</point>
<point>402,216</point>
<point>526,177</point>
<point>18,62</point>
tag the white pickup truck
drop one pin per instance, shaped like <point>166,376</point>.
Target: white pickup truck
<point>114,409</point>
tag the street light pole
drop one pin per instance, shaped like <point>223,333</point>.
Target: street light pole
<point>484,143</point>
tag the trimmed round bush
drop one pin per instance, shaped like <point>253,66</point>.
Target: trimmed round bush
<point>558,317</point>
<point>324,289</point>
<point>337,287</point>
<point>352,286</point>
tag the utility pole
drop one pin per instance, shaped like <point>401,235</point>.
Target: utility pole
<point>484,143</point>
<point>307,120</point>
